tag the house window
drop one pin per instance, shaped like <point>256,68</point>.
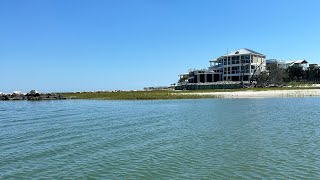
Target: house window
<point>235,58</point>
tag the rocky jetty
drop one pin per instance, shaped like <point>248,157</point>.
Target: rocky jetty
<point>32,95</point>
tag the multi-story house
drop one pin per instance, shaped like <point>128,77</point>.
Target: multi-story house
<point>235,66</point>
<point>238,65</point>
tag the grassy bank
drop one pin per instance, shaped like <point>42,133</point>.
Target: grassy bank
<point>134,95</point>
<point>154,95</point>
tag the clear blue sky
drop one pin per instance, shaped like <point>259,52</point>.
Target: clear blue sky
<point>77,45</point>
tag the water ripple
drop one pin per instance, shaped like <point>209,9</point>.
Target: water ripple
<point>183,139</point>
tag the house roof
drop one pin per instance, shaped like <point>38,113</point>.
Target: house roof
<point>243,51</point>
<point>301,62</point>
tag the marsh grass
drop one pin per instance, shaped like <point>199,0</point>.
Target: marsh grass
<point>165,94</point>
<point>134,95</point>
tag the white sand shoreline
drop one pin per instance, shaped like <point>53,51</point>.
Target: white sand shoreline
<point>262,94</point>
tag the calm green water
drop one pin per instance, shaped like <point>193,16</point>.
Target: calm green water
<point>174,139</point>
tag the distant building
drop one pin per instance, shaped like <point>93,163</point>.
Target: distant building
<point>33,92</point>
<point>157,88</point>
<point>16,93</point>
<point>233,70</point>
<point>285,64</point>
<point>313,66</point>
<point>303,63</point>
<point>234,66</point>
<point>237,66</point>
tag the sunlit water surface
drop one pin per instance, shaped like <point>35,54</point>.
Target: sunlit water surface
<point>276,138</point>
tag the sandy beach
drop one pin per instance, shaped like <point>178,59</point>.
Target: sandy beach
<point>263,94</point>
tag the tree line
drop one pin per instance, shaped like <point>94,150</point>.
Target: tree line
<point>278,76</point>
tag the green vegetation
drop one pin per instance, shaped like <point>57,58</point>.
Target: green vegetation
<point>166,94</point>
<point>134,95</point>
<point>294,75</point>
<point>299,84</point>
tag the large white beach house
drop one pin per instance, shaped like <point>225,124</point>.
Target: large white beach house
<point>233,66</point>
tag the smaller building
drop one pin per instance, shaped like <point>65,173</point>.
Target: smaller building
<point>33,92</point>
<point>157,88</point>
<point>16,93</point>
<point>313,66</point>
<point>285,64</point>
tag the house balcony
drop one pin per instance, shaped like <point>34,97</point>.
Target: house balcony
<point>238,72</point>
